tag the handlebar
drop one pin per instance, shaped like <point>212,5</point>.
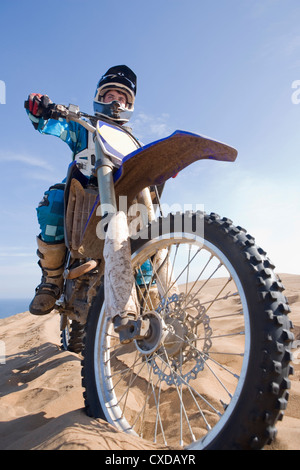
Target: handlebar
<point>70,113</point>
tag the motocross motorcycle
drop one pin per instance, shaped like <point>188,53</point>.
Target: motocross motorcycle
<point>205,363</point>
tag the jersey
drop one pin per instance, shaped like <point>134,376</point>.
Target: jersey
<point>79,139</point>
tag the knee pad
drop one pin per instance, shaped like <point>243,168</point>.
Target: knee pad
<point>50,213</point>
<point>145,274</point>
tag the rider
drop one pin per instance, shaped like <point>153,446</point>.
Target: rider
<point>118,84</point>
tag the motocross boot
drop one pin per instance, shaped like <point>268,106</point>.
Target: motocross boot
<point>52,257</point>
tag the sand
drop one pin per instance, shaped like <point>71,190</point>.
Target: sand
<point>41,396</point>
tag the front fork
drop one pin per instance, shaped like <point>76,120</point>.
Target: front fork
<point>120,293</point>
<point>119,286</point>
<point>104,170</point>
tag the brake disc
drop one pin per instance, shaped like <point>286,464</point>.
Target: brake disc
<point>186,343</point>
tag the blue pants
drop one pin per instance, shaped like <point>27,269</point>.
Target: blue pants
<point>50,214</point>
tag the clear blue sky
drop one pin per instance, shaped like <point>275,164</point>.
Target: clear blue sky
<point>222,68</point>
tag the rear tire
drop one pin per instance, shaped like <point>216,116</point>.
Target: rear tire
<point>72,337</point>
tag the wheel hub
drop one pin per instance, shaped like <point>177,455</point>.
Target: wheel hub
<point>155,335</point>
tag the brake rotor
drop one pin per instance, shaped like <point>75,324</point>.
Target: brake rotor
<point>185,344</point>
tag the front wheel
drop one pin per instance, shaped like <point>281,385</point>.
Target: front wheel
<point>213,371</point>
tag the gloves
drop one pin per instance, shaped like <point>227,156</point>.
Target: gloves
<point>38,103</point>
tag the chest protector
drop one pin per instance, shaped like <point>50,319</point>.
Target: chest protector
<point>87,157</point>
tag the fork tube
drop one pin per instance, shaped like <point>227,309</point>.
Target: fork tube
<point>146,196</point>
<point>104,169</point>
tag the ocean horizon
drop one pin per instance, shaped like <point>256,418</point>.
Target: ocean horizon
<point>10,307</point>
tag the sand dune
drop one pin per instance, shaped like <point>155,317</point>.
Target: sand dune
<point>41,401</point>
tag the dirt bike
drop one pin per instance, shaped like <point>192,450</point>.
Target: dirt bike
<point>206,364</point>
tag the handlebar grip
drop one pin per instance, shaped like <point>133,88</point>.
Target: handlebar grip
<point>51,111</point>
<point>54,111</point>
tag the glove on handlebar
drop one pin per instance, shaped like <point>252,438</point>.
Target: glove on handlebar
<point>37,104</point>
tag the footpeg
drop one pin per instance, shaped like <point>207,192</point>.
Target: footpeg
<point>130,329</point>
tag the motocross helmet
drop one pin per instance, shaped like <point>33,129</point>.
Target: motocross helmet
<point>122,78</point>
